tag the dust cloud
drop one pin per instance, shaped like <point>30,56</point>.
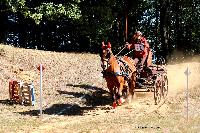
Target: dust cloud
<point>178,79</point>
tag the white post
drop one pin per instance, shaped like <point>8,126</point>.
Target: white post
<point>187,97</point>
<point>40,89</point>
<point>187,73</point>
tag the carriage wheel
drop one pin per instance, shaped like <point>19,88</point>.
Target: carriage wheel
<point>157,91</point>
<point>165,86</point>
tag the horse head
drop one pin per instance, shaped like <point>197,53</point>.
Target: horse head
<point>105,55</point>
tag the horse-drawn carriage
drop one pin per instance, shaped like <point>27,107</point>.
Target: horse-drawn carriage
<point>153,78</point>
<point>123,76</point>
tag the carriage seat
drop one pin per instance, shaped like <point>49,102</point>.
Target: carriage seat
<point>157,68</point>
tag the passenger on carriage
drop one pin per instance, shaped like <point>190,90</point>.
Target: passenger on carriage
<point>141,49</point>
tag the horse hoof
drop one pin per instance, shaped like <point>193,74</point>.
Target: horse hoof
<point>114,105</point>
<point>121,100</point>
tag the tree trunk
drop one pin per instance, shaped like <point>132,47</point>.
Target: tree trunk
<point>156,29</point>
<point>177,26</point>
<point>163,28</point>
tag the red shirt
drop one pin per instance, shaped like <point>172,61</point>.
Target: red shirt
<point>141,47</point>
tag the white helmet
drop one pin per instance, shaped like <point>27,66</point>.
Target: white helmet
<point>138,33</point>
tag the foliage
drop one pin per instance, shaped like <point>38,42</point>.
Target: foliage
<point>81,25</point>
<point>49,10</point>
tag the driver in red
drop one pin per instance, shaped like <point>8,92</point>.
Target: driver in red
<point>141,48</point>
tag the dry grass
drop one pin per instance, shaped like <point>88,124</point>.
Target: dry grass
<point>75,97</point>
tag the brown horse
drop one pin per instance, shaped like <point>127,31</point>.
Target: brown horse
<point>120,75</point>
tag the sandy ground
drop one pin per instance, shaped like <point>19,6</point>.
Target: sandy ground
<point>76,99</point>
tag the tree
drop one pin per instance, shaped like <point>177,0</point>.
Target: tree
<point>81,25</point>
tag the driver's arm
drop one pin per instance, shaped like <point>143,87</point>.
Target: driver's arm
<point>146,44</point>
<point>128,45</point>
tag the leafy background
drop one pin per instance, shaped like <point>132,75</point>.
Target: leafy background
<point>80,25</point>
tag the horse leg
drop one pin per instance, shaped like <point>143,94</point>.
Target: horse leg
<point>132,87</point>
<point>114,101</point>
<point>112,90</point>
<point>121,87</point>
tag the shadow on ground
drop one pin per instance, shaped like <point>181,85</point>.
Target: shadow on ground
<point>86,102</point>
<point>99,97</point>
<point>86,87</point>
<point>57,109</point>
<point>62,109</point>
<point>7,102</point>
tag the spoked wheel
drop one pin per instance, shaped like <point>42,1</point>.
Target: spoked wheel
<point>157,90</point>
<point>165,86</point>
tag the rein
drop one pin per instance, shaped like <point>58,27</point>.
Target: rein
<point>129,52</point>
<point>121,73</point>
<point>122,50</point>
<point>118,73</point>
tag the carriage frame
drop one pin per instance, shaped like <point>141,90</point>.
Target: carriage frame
<point>155,81</point>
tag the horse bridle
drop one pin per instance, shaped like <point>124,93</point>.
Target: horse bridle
<point>106,59</point>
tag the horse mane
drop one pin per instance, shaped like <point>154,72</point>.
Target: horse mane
<point>115,65</point>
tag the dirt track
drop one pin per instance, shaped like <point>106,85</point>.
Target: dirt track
<point>75,97</point>
<point>125,118</point>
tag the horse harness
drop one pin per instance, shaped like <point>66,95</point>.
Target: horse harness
<point>124,70</point>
